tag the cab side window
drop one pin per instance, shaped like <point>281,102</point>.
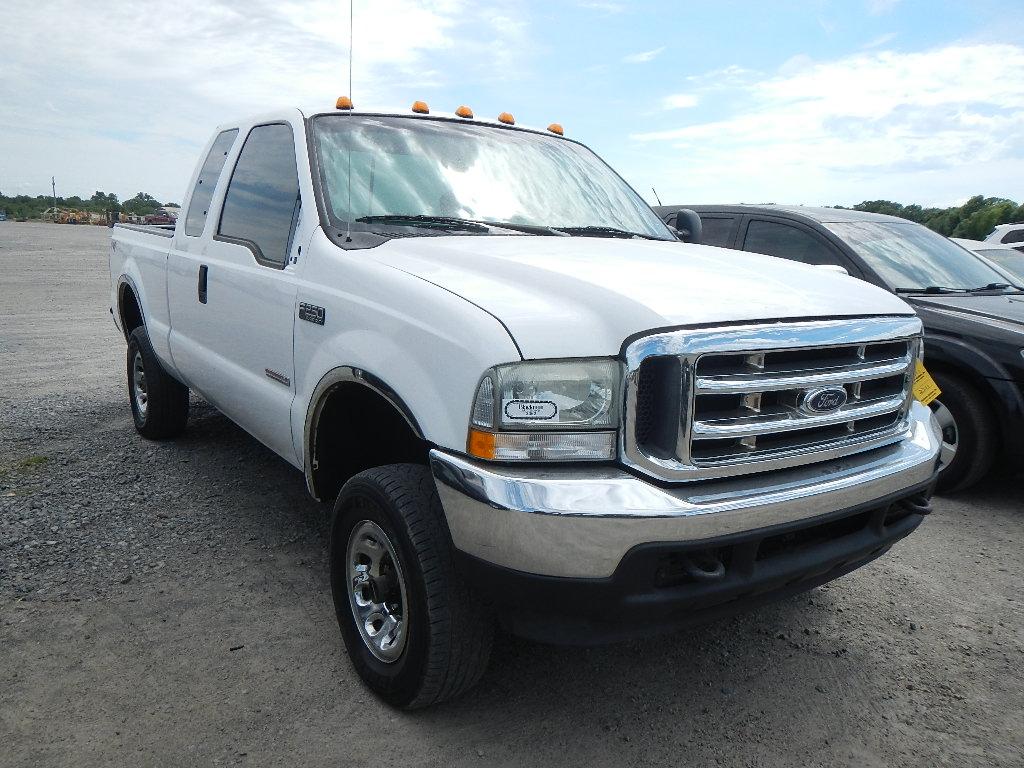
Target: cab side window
<point>262,201</point>
<point>202,194</point>
<point>787,242</point>
<point>717,230</point>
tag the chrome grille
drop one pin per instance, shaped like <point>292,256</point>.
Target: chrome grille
<point>719,402</point>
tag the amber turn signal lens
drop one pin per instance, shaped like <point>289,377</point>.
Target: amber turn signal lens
<point>481,444</point>
<point>343,102</point>
<point>420,107</point>
<point>556,128</point>
<point>464,111</point>
<point>506,118</point>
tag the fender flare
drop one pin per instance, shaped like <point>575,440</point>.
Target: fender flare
<point>334,378</point>
<point>123,281</point>
<point>961,359</point>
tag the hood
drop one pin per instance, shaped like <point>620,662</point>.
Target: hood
<point>581,296</point>
<point>1006,307</point>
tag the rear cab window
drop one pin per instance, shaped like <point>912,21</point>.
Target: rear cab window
<point>261,205</point>
<point>202,193</point>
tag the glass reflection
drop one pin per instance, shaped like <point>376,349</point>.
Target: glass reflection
<point>910,256</point>
<point>418,167</point>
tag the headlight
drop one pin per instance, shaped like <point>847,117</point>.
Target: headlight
<point>551,410</point>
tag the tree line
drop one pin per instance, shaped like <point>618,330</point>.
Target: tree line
<point>26,207</point>
<point>972,220</point>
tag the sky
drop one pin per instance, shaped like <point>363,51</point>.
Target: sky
<point>800,102</point>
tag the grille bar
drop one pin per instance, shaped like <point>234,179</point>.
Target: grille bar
<point>760,382</point>
<point>749,426</point>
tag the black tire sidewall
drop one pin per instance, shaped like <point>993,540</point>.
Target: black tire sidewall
<point>138,342</point>
<point>396,682</point>
<point>975,428</point>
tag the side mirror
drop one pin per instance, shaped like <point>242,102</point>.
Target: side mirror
<point>833,268</point>
<point>687,225</point>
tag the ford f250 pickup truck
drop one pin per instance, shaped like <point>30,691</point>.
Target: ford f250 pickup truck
<point>529,403</point>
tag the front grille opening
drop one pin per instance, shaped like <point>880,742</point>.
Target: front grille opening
<point>879,389</point>
<point>809,537</point>
<point>874,353</point>
<point>802,359</point>
<point>658,406</point>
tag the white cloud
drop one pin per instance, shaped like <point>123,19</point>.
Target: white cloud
<point>599,5</point>
<point>137,93</point>
<point>840,131</point>
<point>679,101</point>
<point>643,56</point>
<point>878,7</point>
<point>881,40</point>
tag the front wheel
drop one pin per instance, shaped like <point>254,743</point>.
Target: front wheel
<point>415,632</point>
<point>969,433</point>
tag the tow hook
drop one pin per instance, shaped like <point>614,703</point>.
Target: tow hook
<point>918,504</point>
<point>703,566</point>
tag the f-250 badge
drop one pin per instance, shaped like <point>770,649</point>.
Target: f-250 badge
<point>311,313</point>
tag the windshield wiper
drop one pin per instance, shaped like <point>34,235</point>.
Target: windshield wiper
<point>450,223</point>
<point>454,223</point>
<point>930,289</point>
<point>605,232</point>
<point>532,229</point>
<point>990,287</point>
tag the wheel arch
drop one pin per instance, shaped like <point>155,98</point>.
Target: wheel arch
<point>129,306</point>
<point>955,357</point>
<point>353,397</point>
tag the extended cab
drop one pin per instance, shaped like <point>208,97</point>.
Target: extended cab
<point>527,401</point>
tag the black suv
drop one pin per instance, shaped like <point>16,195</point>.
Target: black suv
<point>973,319</point>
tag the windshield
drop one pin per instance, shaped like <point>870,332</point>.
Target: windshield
<point>911,257</point>
<point>439,169</point>
<point>1007,258</point>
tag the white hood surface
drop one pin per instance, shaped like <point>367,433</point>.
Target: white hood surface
<point>583,296</point>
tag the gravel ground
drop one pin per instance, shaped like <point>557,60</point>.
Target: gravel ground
<point>168,604</point>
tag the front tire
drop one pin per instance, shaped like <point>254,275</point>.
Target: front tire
<point>159,401</point>
<point>415,632</point>
<point>970,434</point>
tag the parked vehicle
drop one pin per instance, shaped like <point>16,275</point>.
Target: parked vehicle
<point>1011,235</point>
<point>160,217</point>
<point>1007,260</point>
<point>973,318</point>
<point>525,399</point>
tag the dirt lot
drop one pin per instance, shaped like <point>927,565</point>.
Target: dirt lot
<point>168,604</point>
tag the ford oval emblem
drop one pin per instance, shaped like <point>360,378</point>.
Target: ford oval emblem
<point>824,400</point>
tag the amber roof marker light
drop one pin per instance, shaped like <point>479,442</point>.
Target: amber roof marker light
<point>420,108</point>
<point>556,128</point>
<point>343,102</point>
<point>506,118</point>
<point>464,111</point>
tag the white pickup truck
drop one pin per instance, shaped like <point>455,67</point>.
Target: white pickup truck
<point>529,403</point>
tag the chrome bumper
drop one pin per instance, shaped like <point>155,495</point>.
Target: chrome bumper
<point>579,521</point>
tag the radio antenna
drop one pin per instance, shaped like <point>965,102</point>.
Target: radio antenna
<point>656,195</point>
<point>351,36</point>
<point>351,17</point>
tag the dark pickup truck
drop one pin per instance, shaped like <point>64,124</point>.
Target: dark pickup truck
<point>973,319</point>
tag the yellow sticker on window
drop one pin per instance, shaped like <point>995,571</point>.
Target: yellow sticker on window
<point>925,388</point>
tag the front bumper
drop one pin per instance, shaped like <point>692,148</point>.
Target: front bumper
<point>580,522</point>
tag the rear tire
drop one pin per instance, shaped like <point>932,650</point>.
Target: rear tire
<point>159,401</point>
<point>438,634</point>
<point>969,428</point>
